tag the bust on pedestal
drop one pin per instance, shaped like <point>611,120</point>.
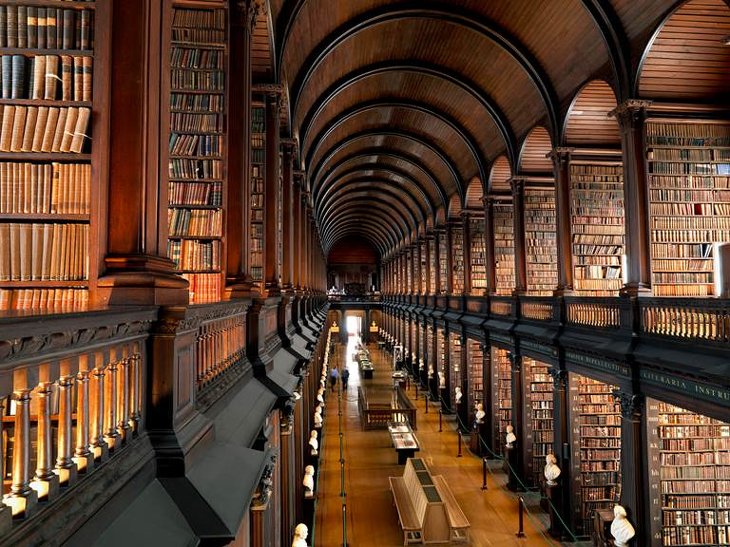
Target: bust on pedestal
<point>457,396</point>
<point>308,481</point>
<point>621,529</point>
<point>510,437</point>
<point>318,417</point>
<point>300,536</point>
<point>551,471</point>
<point>313,443</point>
<point>479,414</point>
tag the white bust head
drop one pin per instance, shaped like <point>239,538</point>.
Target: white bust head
<point>551,471</point>
<point>308,480</point>
<point>479,415</point>
<point>313,442</point>
<point>621,529</point>
<point>510,437</point>
<point>317,418</point>
<point>442,380</point>
<point>300,536</point>
<point>458,395</point>
<point>430,371</point>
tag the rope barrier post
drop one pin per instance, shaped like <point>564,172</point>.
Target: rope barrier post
<point>484,473</point>
<point>459,435</point>
<point>415,384</point>
<point>342,478</point>
<point>426,397</point>
<point>440,415</point>
<point>344,525</point>
<point>521,509</point>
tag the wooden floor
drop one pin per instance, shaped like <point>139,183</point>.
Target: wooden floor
<point>369,460</point>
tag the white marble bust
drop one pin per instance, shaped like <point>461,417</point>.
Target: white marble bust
<point>308,480</point>
<point>457,395</point>
<point>551,471</point>
<point>318,418</point>
<point>300,536</point>
<point>442,380</point>
<point>430,371</point>
<point>313,442</point>
<point>510,437</point>
<point>479,415</point>
<point>621,529</point>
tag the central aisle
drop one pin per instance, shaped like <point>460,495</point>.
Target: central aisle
<point>370,459</point>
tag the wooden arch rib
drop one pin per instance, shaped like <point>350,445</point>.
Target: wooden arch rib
<point>457,16</point>
<point>454,207</point>
<point>378,246</point>
<point>474,194</point>
<point>382,175</point>
<point>499,175</point>
<point>375,237</point>
<point>364,215</point>
<point>367,207</point>
<point>466,138</point>
<point>587,121</point>
<point>347,195</point>
<point>411,137</point>
<point>687,58</point>
<point>441,215</point>
<point>533,156</point>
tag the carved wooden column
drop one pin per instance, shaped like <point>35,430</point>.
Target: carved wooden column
<point>137,269</point>
<point>631,116</point>
<point>635,464</point>
<point>517,460</point>
<point>429,273</point>
<point>466,405</point>
<point>417,267</point>
<point>489,244</point>
<point>449,262</point>
<point>297,231</point>
<point>272,199</point>
<point>243,15</point>
<point>561,171</point>
<point>518,201</point>
<point>561,440</point>
<point>466,238</point>
<point>288,203</point>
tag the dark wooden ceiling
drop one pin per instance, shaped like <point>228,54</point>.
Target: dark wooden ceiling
<point>400,106</point>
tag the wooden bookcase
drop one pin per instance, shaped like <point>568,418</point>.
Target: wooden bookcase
<point>414,337</point>
<point>50,153</point>
<point>197,147</point>
<point>538,420</point>
<point>258,185</point>
<point>595,419</point>
<point>423,266</point>
<point>443,261</point>
<point>501,396</point>
<point>504,247</point>
<point>455,372</point>
<point>475,362</point>
<point>432,289</point>
<point>541,250</point>
<point>429,348</point>
<point>478,256</point>
<point>689,202</point>
<point>441,349</point>
<point>457,258</point>
<point>692,455</point>
<point>597,226</point>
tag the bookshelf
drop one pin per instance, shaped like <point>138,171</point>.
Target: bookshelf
<point>443,261</point>
<point>48,199</point>
<point>475,362</point>
<point>197,149</point>
<point>423,267</point>
<point>432,289</point>
<point>689,202</point>
<point>501,396</point>
<point>541,250</point>
<point>504,247</point>
<point>539,417</point>
<point>455,371</point>
<point>478,257</point>
<point>692,454</point>
<point>597,225</point>
<point>409,272</point>
<point>595,419</point>
<point>414,337</point>
<point>457,259</point>
<point>258,170</point>
<point>429,348</point>
<point>280,217</point>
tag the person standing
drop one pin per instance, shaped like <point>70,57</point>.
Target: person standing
<point>345,378</point>
<point>334,375</point>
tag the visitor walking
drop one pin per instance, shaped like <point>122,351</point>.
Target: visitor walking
<point>345,378</point>
<point>334,374</point>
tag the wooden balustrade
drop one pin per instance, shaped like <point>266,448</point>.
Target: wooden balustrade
<point>593,312</point>
<point>500,305</point>
<point>686,318</point>
<point>71,398</point>
<point>538,309</point>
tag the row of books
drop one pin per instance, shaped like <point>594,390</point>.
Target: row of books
<point>594,228</point>
<point>196,123</point>
<point>688,181</point>
<point>598,272</point>
<point>195,145</point>
<point>198,102</point>
<point>195,223</point>
<point>709,169</point>
<point>213,19</point>
<point>204,287</point>
<point>687,154</point>
<point>197,58</point>
<point>687,134</point>
<point>708,196</point>
<point>51,299</point>
<point>195,193</point>
<point>187,80</point>
<point>44,129</point>
<point>46,77</point>
<point>56,188</point>
<point>190,254</point>
<point>192,169</point>
<point>672,250</point>
<point>46,27</point>
<point>696,536</point>
<point>41,252</point>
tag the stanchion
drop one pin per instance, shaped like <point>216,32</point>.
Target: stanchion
<point>344,525</point>
<point>416,386</point>
<point>484,473</point>
<point>342,478</point>
<point>521,509</point>
<point>459,434</point>
<point>426,397</point>
<point>440,414</point>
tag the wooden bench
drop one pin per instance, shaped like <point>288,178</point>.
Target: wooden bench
<point>458,523</point>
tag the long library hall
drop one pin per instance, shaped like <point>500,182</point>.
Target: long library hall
<point>368,272</point>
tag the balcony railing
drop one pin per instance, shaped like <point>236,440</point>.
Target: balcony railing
<point>593,312</point>
<point>501,305</point>
<point>537,308</point>
<point>686,318</point>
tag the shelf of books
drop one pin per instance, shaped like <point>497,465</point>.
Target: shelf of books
<point>197,151</point>
<point>689,197</point>
<point>595,419</point>
<point>280,217</point>
<point>597,224</point>
<point>475,362</point>
<point>692,455</point>
<point>47,193</point>
<point>258,169</point>
<point>431,363</point>
<point>432,289</point>
<point>478,256</point>
<point>409,272</point>
<point>457,259</point>
<point>504,247</point>
<point>443,261</point>
<point>441,349</point>
<point>423,267</point>
<point>455,371</point>
<point>541,250</point>
<point>538,417</point>
<point>501,396</point>
<point>413,348</point>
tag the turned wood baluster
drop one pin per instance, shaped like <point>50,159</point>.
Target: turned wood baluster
<point>110,408</point>
<point>82,452</point>
<point>134,383</point>
<point>96,420</point>
<point>122,397</point>
<point>44,464</point>
<point>20,486</point>
<point>64,463</point>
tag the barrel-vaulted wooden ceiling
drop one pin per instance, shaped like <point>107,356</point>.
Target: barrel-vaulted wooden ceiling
<point>400,106</point>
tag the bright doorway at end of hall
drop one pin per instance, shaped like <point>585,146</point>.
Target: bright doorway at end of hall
<point>353,323</point>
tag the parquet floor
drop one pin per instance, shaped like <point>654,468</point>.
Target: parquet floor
<point>369,458</point>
